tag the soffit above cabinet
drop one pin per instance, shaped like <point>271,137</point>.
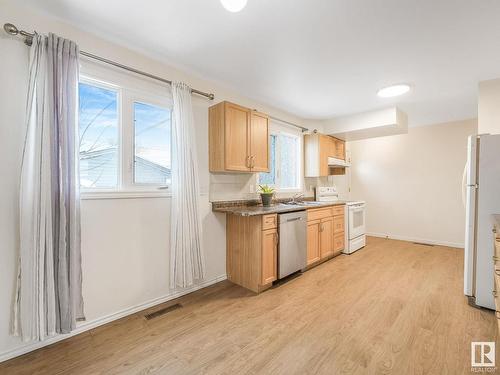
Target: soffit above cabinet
<point>379,123</point>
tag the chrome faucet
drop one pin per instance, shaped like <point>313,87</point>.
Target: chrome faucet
<point>297,198</point>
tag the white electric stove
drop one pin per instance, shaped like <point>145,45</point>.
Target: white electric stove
<point>355,218</point>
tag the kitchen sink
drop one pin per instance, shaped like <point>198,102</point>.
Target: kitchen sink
<point>304,203</point>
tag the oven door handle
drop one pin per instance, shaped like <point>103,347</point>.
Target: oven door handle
<point>357,209</point>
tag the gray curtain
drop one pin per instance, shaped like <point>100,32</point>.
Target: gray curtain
<point>49,284</point>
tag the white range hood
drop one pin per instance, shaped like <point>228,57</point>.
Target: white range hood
<point>337,163</point>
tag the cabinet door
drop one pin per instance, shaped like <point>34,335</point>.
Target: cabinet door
<point>259,142</point>
<point>313,254</point>
<point>269,256</point>
<point>324,153</point>
<point>237,127</point>
<point>339,149</point>
<point>338,243</point>
<point>326,237</point>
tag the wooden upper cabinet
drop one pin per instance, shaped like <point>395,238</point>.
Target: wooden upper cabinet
<point>317,149</point>
<point>259,142</point>
<point>325,151</point>
<point>237,126</point>
<point>340,149</point>
<point>238,139</point>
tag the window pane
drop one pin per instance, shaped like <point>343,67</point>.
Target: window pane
<point>98,125</point>
<point>270,178</point>
<point>289,161</point>
<point>152,144</point>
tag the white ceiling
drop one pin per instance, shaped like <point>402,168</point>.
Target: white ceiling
<point>316,58</point>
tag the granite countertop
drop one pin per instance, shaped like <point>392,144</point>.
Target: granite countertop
<point>277,208</point>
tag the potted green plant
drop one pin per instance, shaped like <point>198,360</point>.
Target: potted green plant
<point>266,194</point>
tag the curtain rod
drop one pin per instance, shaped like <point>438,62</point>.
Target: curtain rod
<point>289,123</point>
<point>13,30</point>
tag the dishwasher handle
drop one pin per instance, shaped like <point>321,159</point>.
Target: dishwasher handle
<point>294,219</point>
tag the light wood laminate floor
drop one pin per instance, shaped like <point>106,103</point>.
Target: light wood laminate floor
<point>392,308</point>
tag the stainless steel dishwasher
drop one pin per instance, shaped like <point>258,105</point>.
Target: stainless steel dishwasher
<point>292,255</point>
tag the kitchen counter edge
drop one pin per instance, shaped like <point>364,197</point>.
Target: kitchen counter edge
<point>274,209</point>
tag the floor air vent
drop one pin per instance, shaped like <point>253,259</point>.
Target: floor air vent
<point>163,311</point>
<point>423,244</point>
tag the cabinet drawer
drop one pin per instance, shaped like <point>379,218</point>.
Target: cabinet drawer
<point>338,210</point>
<point>319,213</point>
<point>269,222</point>
<point>338,242</point>
<point>338,223</point>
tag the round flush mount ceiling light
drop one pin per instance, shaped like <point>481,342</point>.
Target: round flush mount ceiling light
<point>394,90</point>
<point>233,5</point>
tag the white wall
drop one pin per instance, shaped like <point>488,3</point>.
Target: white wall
<point>125,242</point>
<point>412,182</point>
<point>489,107</point>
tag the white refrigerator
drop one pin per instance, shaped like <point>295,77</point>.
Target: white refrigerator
<point>482,199</point>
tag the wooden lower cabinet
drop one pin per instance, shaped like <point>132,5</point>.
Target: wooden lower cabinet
<point>313,252</point>
<point>326,237</point>
<point>252,251</point>
<point>252,245</point>
<point>338,243</point>
<point>496,266</point>
<point>269,256</point>
<point>325,233</point>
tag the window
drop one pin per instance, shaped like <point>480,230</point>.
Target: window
<point>125,135</point>
<point>289,162</point>
<point>152,145</point>
<point>98,125</point>
<point>270,178</point>
<point>285,162</point>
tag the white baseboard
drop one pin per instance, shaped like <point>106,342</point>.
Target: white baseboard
<point>86,326</point>
<point>414,239</point>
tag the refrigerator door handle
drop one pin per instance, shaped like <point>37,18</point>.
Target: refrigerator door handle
<point>464,183</point>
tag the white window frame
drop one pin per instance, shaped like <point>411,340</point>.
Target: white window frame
<point>278,130</point>
<point>130,89</point>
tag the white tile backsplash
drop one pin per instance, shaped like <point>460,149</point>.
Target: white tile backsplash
<point>234,186</point>
<point>238,186</point>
